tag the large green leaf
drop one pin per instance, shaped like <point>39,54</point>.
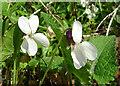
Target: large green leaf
<point>7,44</point>
<point>82,74</point>
<point>105,67</point>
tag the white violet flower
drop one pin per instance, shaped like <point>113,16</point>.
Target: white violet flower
<point>29,27</point>
<point>81,51</point>
<point>94,8</point>
<point>90,14</point>
<point>84,3</point>
<point>88,11</point>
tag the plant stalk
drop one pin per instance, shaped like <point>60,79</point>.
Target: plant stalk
<point>14,74</point>
<point>41,82</point>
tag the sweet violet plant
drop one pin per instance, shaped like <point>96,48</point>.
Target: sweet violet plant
<point>80,51</point>
<point>29,27</point>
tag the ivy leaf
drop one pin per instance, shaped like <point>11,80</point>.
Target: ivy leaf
<point>82,74</point>
<point>7,44</point>
<point>105,67</point>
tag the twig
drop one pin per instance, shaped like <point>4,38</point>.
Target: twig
<point>100,8</point>
<point>104,20</point>
<point>40,9</point>
<point>112,20</point>
<point>36,11</point>
<point>107,17</point>
<point>81,15</point>
<point>51,14</point>
<point>108,6</point>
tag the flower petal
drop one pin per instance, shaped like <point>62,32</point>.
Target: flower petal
<point>95,9</point>
<point>24,46</point>
<point>77,32</point>
<point>78,56</point>
<point>89,50</point>
<point>24,25</point>
<point>41,38</point>
<point>87,11</point>
<point>34,23</point>
<point>32,47</point>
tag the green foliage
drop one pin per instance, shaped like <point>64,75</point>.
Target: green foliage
<point>117,18</point>
<point>33,62</point>
<point>23,65</point>
<point>7,43</point>
<point>105,67</point>
<point>56,64</point>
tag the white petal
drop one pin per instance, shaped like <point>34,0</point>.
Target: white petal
<point>23,24</point>
<point>78,56</point>
<point>95,9</point>
<point>24,46</point>
<point>34,23</point>
<point>93,5</point>
<point>87,11</point>
<point>93,15</point>
<point>77,32</point>
<point>83,5</point>
<point>89,16</point>
<point>32,47</point>
<point>41,38</point>
<point>89,50</point>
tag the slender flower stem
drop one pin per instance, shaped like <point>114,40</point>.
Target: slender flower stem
<point>14,74</point>
<point>51,14</point>
<point>41,82</point>
<point>31,57</point>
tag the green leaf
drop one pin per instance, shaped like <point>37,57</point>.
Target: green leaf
<point>82,74</point>
<point>23,65</point>
<point>4,8</point>
<point>105,67</point>
<point>117,16</point>
<point>55,64</point>
<point>65,24</point>
<point>7,44</point>
<point>15,7</point>
<point>33,62</point>
<point>17,39</point>
<point>70,7</point>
